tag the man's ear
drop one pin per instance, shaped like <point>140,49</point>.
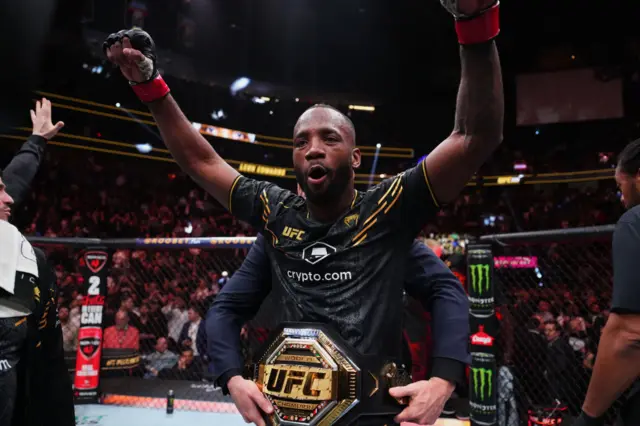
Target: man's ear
<point>355,158</point>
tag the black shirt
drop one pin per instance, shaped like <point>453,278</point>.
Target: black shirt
<point>626,273</point>
<point>347,274</point>
<point>44,385</point>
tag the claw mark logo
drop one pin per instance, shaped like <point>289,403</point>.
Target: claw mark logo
<point>95,260</point>
<point>480,279</point>
<point>482,382</point>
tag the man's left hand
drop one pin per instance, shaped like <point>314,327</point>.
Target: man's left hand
<point>427,399</point>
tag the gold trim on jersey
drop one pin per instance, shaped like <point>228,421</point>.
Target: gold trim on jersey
<point>394,190</point>
<point>394,200</point>
<point>392,187</point>
<point>266,211</point>
<point>233,187</point>
<point>426,179</point>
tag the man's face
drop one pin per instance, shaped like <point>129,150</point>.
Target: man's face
<point>128,304</point>
<point>550,331</point>
<point>628,186</point>
<point>63,314</point>
<point>187,356</point>
<point>5,202</point>
<point>162,345</point>
<point>324,154</point>
<point>192,315</point>
<point>122,319</point>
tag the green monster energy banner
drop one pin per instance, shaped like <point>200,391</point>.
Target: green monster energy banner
<point>480,281</point>
<point>482,401</point>
<point>482,374</point>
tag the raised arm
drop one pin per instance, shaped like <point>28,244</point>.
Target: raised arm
<point>19,173</point>
<point>480,106</point>
<point>134,52</point>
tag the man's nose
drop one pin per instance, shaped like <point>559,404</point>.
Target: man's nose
<point>6,199</point>
<point>315,151</point>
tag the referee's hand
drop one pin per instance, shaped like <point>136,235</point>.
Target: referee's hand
<point>249,400</point>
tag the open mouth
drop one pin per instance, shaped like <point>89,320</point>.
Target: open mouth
<point>317,174</point>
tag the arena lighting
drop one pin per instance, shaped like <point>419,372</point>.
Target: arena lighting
<point>189,228</point>
<point>218,115</point>
<point>260,100</point>
<point>240,84</point>
<point>362,108</point>
<point>221,132</point>
<point>520,166</point>
<point>117,104</point>
<point>144,148</point>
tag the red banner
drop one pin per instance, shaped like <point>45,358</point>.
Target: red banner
<point>87,376</point>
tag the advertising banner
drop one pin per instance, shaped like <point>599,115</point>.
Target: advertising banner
<point>484,328</point>
<point>93,266</point>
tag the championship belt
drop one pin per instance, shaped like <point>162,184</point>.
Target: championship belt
<point>312,377</point>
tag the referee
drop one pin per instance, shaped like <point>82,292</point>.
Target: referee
<point>618,362</point>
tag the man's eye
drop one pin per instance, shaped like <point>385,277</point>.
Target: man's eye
<point>299,143</point>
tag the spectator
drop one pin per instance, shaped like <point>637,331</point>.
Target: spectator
<point>561,369</point>
<point>185,369</point>
<point>159,360</point>
<point>177,315</point>
<point>69,329</point>
<point>190,332</point>
<point>121,335</point>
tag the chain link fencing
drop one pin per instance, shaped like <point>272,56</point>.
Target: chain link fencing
<point>552,295</point>
<point>152,319</point>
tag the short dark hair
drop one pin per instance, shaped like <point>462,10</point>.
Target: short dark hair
<point>352,128</point>
<point>629,158</point>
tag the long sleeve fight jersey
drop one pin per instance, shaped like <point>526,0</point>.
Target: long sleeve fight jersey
<point>347,274</point>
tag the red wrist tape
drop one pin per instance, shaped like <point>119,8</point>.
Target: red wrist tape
<point>151,90</point>
<point>481,28</point>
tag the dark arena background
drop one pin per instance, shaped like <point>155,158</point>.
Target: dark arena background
<point>140,251</point>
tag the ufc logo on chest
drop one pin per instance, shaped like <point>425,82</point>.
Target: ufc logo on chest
<point>292,233</point>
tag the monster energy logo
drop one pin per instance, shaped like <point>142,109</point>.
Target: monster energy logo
<point>480,278</point>
<point>482,382</point>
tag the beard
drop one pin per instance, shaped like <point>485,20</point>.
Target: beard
<point>337,183</point>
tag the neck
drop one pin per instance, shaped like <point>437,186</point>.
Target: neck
<point>329,212</point>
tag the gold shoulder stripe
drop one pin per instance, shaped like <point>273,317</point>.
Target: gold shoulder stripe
<point>426,179</point>
<point>233,187</point>
<point>394,200</point>
<point>375,213</point>
<point>364,237</point>
<point>391,188</point>
<point>364,230</point>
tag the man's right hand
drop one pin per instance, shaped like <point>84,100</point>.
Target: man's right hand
<point>135,53</point>
<point>249,400</point>
<point>136,63</point>
<point>41,120</point>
